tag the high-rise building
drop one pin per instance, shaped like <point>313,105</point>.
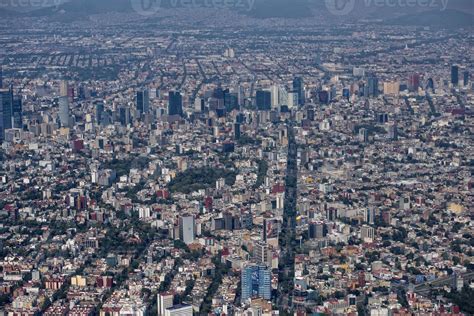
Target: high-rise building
<point>1,77</point>
<point>332,213</point>
<point>455,75</point>
<point>264,100</point>
<point>17,112</point>
<point>198,105</point>
<point>164,301</point>
<point>373,86</point>
<point>237,131</point>
<point>363,135</point>
<point>175,106</point>
<point>282,95</point>
<point>179,310</point>
<point>124,116</point>
<point>231,222</point>
<point>64,111</point>
<point>187,229</point>
<point>143,101</point>
<point>241,96</point>
<point>323,97</point>
<point>391,88</point>
<point>466,78</point>
<point>271,228</point>
<point>367,233</point>
<point>231,100</point>
<point>218,93</point>
<point>10,111</point>
<point>430,85</point>
<point>310,114</point>
<point>298,87</point>
<point>256,282</point>
<point>346,93</point>
<point>229,52</point>
<point>369,215</point>
<point>317,230</point>
<point>6,110</point>
<point>63,88</point>
<point>262,253</point>
<point>292,99</point>
<point>99,112</point>
<point>358,72</point>
<point>393,131</point>
<point>414,82</point>
<point>382,118</point>
<point>275,91</point>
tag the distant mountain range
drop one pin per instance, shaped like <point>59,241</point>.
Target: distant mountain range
<point>281,9</point>
<point>459,13</point>
<point>436,18</point>
<point>7,12</point>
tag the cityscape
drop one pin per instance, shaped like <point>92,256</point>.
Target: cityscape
<point>241,158</point>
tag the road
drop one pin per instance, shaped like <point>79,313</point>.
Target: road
<point>425,288</point>
<point>287,238</point>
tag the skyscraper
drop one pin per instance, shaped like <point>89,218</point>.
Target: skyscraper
<point>414,82</point>
<point>17,111</point>
<point>187,230</point>
<point>264,100</point>
<point>256,282</point>
<point>6,110</point>
<point>143,101</point>
<point>175,106</point>
<point>430,85</point>
<point>199,105</point>
<point>64,103</point>
<point>466,78</point>
<point>64,111</point>
<point>241,96</point>
<point>275,91</point>
<point>1,77</point>
<point>124,116</point>
<point>282,95</point>
<point>10,111</point>
<point>231,100</point>
<point>455,75</point>
<point>218,93</point>
<point>292,99</point>
<point>63,88</point>
<point>298,87</point>
<point>373,85</point>
<point>99,112</point>
<point>237,131</point>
